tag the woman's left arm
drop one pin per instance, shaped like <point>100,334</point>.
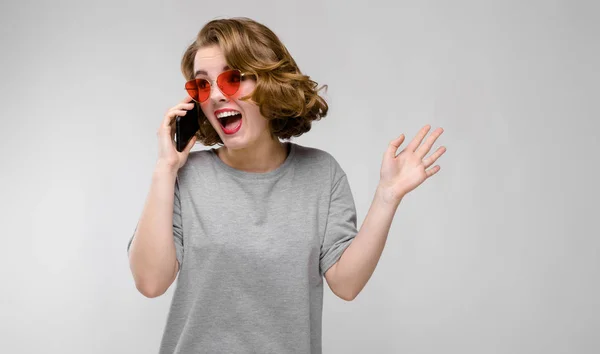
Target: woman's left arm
<point>399,175</point>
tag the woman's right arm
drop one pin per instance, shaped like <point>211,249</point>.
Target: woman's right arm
<point>152,257</point>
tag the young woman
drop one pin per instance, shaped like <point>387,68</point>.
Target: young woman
<point>251,228</point>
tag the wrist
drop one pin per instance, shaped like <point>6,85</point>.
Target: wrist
<point>164,168</point>
<point>388,196</point>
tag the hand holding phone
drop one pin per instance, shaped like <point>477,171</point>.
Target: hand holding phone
<point>186,127</point>
<point>169,154</point>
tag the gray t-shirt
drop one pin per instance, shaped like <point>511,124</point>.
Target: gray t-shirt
<point>253,249</point>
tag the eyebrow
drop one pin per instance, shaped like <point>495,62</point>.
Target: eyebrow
<point>203,72</point>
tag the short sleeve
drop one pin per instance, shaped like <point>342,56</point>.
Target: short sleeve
<point>177,227</point>
<point>340,229</point>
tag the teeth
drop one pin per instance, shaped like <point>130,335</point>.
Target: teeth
<point>227,114</point>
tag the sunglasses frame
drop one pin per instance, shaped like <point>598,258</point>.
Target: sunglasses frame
<point>213,82</point>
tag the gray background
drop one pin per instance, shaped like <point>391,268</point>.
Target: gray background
<point>498,253</point>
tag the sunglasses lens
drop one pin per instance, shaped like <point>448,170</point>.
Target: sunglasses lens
<point>198,89</point>
<point>229,82</point>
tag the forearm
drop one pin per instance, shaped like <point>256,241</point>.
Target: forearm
<point>152,255</point>
<point>357,263</point>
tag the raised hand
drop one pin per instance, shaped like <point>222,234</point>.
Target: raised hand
<point>404,172</point>
<point>167,153</point>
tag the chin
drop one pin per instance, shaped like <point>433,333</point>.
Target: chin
<point>235,143</point>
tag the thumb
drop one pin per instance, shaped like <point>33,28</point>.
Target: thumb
<point>394,145</point>
<point>190,145</point>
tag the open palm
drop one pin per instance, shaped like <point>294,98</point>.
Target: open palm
<point>404,172</point>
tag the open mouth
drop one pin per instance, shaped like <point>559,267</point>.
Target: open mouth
<point>230,121</point>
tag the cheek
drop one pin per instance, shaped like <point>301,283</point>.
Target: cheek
<point>252,112</point>
<point>206,108</point>
<point>246,88</point>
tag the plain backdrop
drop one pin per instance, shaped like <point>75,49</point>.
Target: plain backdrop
<point>497,253</point>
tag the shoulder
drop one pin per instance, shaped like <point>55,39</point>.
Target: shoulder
<point>199,156</point>
<point>198,160</point>
<point>318,159</point>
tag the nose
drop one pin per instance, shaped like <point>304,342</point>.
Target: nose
<point>215,93</point>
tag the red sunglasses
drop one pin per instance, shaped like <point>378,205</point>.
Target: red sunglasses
<point>227,81</point>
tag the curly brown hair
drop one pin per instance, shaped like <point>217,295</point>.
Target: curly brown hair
<point>289,100</point>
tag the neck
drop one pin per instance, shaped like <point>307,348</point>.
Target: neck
<point>261,157</point>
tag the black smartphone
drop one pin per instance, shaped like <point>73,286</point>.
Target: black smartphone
<point>186,127</point>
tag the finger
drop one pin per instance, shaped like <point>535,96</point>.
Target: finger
<point>424,149</point>
<point>190,145</point>
<point>172,131</point>
<point>168,131</point>
<point>394,145</point>
<point>431,159</point>
<point>414,144</point>
<point>170,117</point>
<point>432,171</point>
<point>187,99</point>
<point>187,106</point>
<point>179,110</point>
